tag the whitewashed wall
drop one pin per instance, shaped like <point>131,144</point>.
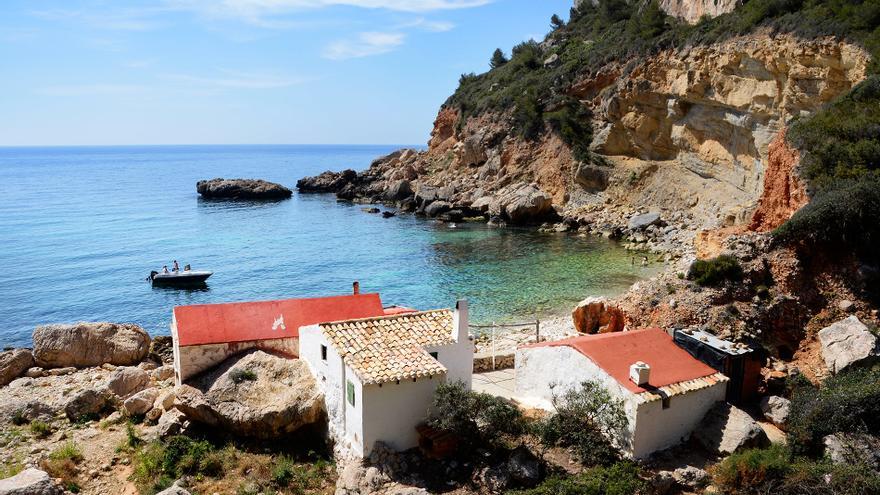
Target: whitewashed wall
<point>658,428</point>
<point>329,376</point>
<point>392,411</point>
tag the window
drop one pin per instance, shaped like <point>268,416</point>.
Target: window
<point>434,354</point>
<point>323,352</point>
<point>349,392</point>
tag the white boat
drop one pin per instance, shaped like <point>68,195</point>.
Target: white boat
<point>186,277</point>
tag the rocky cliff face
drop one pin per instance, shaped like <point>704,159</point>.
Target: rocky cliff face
<point>692,10</point>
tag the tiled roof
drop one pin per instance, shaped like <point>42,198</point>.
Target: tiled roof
<point>264,320</point>
<point>390,348</point>
<point>615,352</point>
<point>683,387</point>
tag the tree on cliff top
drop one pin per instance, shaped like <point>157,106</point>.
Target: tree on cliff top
<point>498,59</point>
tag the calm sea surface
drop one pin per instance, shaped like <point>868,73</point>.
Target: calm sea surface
<point>80,229</point>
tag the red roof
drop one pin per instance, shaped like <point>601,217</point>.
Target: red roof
<point>616,352</point>
<point>263,320</point>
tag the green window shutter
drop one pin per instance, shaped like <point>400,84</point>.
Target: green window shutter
<point>349,392</point>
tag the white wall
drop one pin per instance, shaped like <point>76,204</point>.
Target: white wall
<point>458,359</point>
<point>542,372</point>
<point>392,411</point>
<point>658,428</point>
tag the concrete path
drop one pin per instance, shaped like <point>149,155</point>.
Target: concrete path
<point>500,383</point>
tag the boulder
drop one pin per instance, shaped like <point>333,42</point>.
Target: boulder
<point>162,373</point>
<point>327,182</point>
<point>847,342</point>
<point>31,410</point>
<point>437,208</point>
<point>31,481</point>
<point>776,409</point>
<point>691,477</point>
<point>400,190</point>
<point>592,177</point>
<point>523,203</point>
<point>482,204</point>
<point>241,189</point>
<point>596,315</point>
<point>727,429</point>
<point>89,344</point>
<point>281,398</point>
<point>141,402</point>
<point>127,381</point>
<point>86,403</point>
<point>471,152</point>
<point>171,423</point>
<point>853,449</point>
<point>639,222</point>
<point>14,364</point>
<point>425,195</point>
<point>35,372</point>
<point>177,488</point>
<point>524,467</point>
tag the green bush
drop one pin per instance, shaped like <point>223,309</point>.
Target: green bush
<point>475,417</point>
<point>40,429</point>
<point>584,420</point>
<point>157,464</point>
<point>846,402</point>
<point>498,59</point>
<point>774,470</point>
<point>239,376</point>
<point>618,479</point>
<point>715,271</point>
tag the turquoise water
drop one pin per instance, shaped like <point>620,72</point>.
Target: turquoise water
<point>80,229</point>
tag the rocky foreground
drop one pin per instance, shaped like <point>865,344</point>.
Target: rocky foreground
<point>242,189</point>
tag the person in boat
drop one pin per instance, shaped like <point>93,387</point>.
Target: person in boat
<point>186,267</point>
<point>164,268</point>
<point>175,267</point>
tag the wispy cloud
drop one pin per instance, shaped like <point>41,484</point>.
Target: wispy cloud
<point>364,45</point>
<point>116,19</point>
<point>238,80</point>
<point>428,25</point>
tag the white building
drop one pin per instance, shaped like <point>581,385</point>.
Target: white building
<point>665,391</point>
<point>378,375</point>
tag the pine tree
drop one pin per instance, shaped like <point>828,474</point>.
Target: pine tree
<point>498,59</point>
<point>556,22</point>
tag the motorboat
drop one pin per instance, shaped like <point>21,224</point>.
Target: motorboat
<point>179,278</point>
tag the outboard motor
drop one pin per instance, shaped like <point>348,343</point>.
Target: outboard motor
<point>152,275</point>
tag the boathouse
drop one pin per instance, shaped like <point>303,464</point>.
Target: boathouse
<point>378,375</point>
<point>207,334</point>
<point>664,390</point>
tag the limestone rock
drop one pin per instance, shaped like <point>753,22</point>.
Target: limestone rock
<point>522,204</point>
<point>14,363</point>
<point>162,373</point>
<point>171,423</point>
<point>127,381</point>
<point>326,182</point>
<point>437,208</point>
<point>845,343</point>
<point>776,409</point>
<point>727,429</point>
<point>853,448</point>
<point>141,402</point>
<point>32,410</point>
<point>592,177</point>
<point>175,489</point>
<point>282,397</point>
<point>596,315</point>
<point>85,403</point>
<point>400,190</point>
<point>639,222</point>
<point>241,189</point>
<point>31,481</point>
<point>691,477</point>
<point>692,10</point>
<point>89,344</point>
<point>162,349</point>
<point>471,152</point>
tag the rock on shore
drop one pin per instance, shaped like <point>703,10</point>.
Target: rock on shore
<point>255,394</point>
<point>241,189</point>
<point>13,364</point>
<point>90,344</point>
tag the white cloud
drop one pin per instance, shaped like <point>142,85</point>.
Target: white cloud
<point>429,25</point>
<point>364,45</point>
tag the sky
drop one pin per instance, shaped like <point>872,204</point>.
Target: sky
<point>117,72</point>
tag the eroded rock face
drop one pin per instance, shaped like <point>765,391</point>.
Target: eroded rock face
<point>692,10</point>
<point>14,364</point>
<point>846,343</point>
<point>596,315</point>
<point>255,394</point>
<point>776,409</point>
<point>326,182</point>
<point>784,192</point>
<point>241,189</point>
<point>727,429</point>
<point>89,344</point>
<point>31,481</point>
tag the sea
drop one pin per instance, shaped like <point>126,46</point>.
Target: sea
<point>82,227</point>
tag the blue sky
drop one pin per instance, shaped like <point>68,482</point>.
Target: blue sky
<point>93,72</point>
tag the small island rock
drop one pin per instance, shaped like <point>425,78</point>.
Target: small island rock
<point>241,189</point>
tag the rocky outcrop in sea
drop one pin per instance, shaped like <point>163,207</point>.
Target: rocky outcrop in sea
<point>241,189</point>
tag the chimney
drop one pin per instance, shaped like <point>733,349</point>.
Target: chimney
<point>640,373</point>
<point>356,287</point>
<point>460,321</point>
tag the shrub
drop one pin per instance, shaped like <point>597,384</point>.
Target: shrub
<point>715,271</point>
<point>157,464</point>
<point>474,416</point>
<point>585,419</point>
<point>747,470</point>
<point>498,59</point>
<point>239,376</point>
<point>40,429</point>
<point>849,401</point>
<point>618,479</point>
<point>67,451</point>
<point>62,463</point>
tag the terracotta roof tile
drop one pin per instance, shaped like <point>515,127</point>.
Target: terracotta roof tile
<point>391,348</point>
